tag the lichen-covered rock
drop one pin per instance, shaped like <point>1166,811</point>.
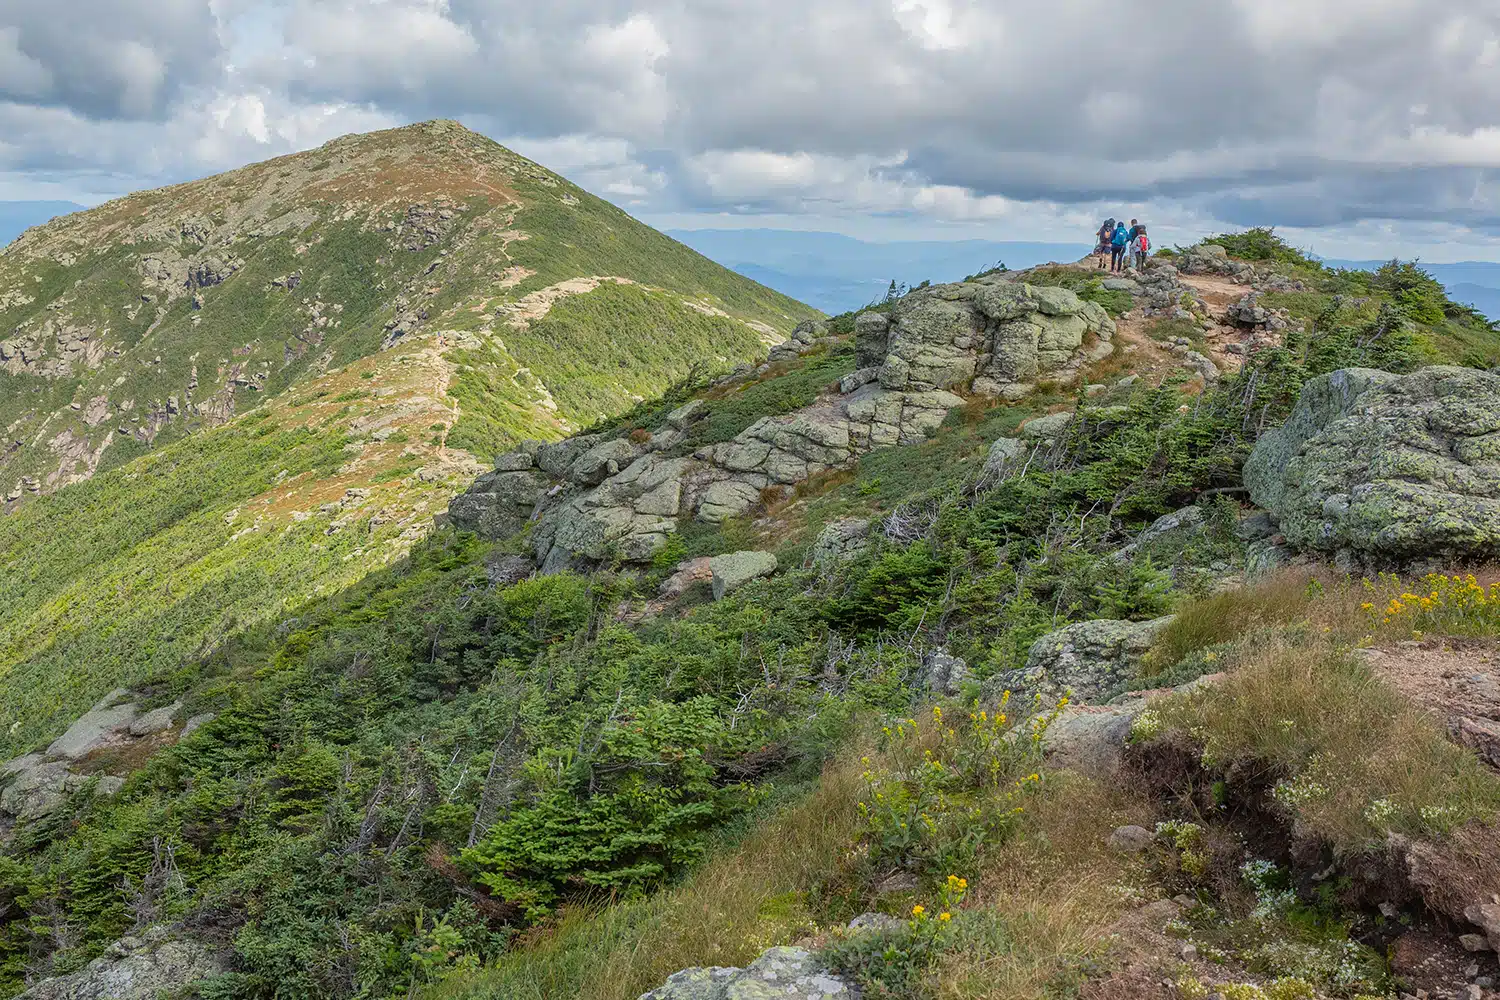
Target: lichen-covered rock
<point>735,569</point>
<point>944,673</point>
<point>555,457</point>
<point>135,968</point>
<point>499,503</point>
<point>1090,661</point>
<point>871,334</point>
<point>1006,455</point>
<point>1179,524</point>
<point>601,461</point>
<point>515,461</point>
<point>840,540</point>
<point>104,724</point>
<point>1397,471</point>
<point>1046,428</point>
<point>154,721</point>
<point>779,974</point>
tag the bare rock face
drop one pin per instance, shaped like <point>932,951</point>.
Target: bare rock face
<point>993,336</point>
<point>600,498</point>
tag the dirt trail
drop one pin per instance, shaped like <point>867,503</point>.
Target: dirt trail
<point>1457,682</point>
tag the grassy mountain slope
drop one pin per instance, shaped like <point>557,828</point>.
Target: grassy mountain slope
<point>207,368</point>
<point>134,323</point>
<point>433,780</point>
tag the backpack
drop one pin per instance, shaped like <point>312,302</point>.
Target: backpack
<point>1143,243</point>
<point>1120,239</point>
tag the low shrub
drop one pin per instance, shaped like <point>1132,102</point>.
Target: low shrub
<point>943,789</point>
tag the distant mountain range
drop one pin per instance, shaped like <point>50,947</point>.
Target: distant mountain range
<point>838,273</point>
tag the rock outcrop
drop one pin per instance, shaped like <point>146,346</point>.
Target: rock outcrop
<point>35,785</point>
<point>782,973</point>
<point>1387,471</point>
<point>1089,661</point>
<point>596,498</point>
<point>840,540</point>
<point>135,968</point>
<point>735,569</point>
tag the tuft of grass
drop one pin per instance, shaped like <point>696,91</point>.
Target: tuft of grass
<point>1350,758</point>
<point>1226,617</point>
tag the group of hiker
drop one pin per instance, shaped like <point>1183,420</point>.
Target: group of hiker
<point>1123,245</point>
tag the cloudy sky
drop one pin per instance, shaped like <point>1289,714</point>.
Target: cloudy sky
<point>1359,127</point>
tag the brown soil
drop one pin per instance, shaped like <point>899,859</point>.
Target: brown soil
<point>1458,682</point>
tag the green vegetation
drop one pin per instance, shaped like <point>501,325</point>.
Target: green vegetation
<point>422,782</point>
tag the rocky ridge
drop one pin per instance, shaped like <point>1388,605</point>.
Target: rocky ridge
<point>596,498</point>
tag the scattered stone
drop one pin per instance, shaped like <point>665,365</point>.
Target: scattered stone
<point>1047,428</point>
<point>782,973</point>
<point>155,721</point>
<point>734,570</point>
<point>687,413</point>
<point>1248,311</point>
<point>1006,455</point>
<point>1189,952</point>
<point>1092,660</point>
<point>1131,839</point>
<point>1487,917</point>
<point>1473,942</point>
<point>944,673</point>
<point>840,540</point>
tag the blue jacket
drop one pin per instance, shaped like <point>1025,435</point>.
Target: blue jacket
<point>1121,237</point>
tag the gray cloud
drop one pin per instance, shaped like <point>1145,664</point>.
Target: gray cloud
<point>106,58</point>
<point>1303,112</point>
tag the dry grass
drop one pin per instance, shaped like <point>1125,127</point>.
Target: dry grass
<point>1055,891</point>
<point>735,906</point>
<point>1353,758</point>
<point>1231,615</point>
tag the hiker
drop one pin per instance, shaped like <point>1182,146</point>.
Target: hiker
<point>1118,245</point>
<point>1142,247</point>
<point>1101,243</point>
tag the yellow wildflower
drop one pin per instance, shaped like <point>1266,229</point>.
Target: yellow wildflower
<point>945,917</point>
<point>918,910</point>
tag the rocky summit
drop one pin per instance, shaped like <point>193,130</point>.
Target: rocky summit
<point>137,322</point>
<point>1052,633</point>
